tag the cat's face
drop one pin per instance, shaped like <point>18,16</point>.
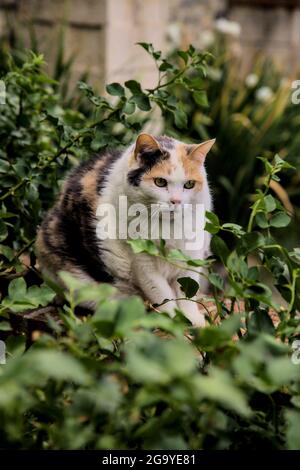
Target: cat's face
<point>166,171</point>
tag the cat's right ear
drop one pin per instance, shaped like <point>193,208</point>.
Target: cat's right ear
<point>146,143</point>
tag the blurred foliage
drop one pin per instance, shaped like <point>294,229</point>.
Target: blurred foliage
<point>123,377</point>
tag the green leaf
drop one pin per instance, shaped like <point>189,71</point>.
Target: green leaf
<point>270,203</point>
<point>32,193</point>
<point>219,387</point>
<point>5,326</point>
<point>184,56</point>
<point>17,289</point>
<point>142,101</point>
<point>296,401</point>
<point>253,274</point>
<point>199,262</point>
<point>214,337</point>
<point>115,89</point>
<point>293,429</point>
<point>7,252</point>
<point>144,246</point>
<point>234,228</point>
<point>4,166</point>
<point>219,248</point>
<point>57,365</point>
<point>180,118</point>
<point>189,286</point>
<point>216,280</point>
<point>177,255</point>
<point>191,50</point>
<point>179,358</point>
<point>154,361</point>
<point>41,296</point>
<point>201,98</point>
<point>282,371</point>
<point>279,220</point>
<point>144,369</point>
<point>134,87</point>
<point>94,292</point>
<point>260,292</point>
<point>130,312</point>
<point>3,230</point>
<point>295,254</point>
<point>259,321</point>
<point>165,66</point>
<point>15,346</point>
<point>213,224</point>
<point>262,220</point>
<point>212,229</point>
<point>237,265</point>
<point>104,319</point>
<point>146,45</point>
<point>282,163</point>
<point>129,107</point>
<point>213,218</point>
<point>250,242</point>
<point>275,178</point>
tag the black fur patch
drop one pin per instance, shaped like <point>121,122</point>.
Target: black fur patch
<point>148,160</point>
<point>75,229</point>
<point>80,244</point>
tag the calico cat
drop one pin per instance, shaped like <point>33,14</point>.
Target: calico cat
<point>158,170</point>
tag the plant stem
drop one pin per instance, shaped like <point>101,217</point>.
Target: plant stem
<point>11,191</point>
<point>256,205</point>
<point>187,299</point>
<point>293,290</point>
<point>28,245</point>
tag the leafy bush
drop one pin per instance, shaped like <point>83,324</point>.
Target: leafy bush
<point>124,377</point>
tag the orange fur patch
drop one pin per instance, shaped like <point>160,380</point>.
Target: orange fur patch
<point>89,184</point>
<point>191,166</point>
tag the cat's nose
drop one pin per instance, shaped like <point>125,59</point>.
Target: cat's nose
<point>175,201</point>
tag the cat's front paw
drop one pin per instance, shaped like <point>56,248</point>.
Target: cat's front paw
<point>169,308</point>
<point>198,321</point>
<point>191,312</point>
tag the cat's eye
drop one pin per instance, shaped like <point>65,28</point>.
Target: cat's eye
<point>160,182</point>
<point>189,184</point>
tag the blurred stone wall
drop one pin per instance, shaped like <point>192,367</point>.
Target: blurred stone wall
<point>100,35</point>
<point>274,31</point>
<point>165,23</point>
<point>75,27</point>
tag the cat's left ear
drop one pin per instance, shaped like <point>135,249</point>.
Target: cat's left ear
<point>146,143</point>
<point>199,152</point>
